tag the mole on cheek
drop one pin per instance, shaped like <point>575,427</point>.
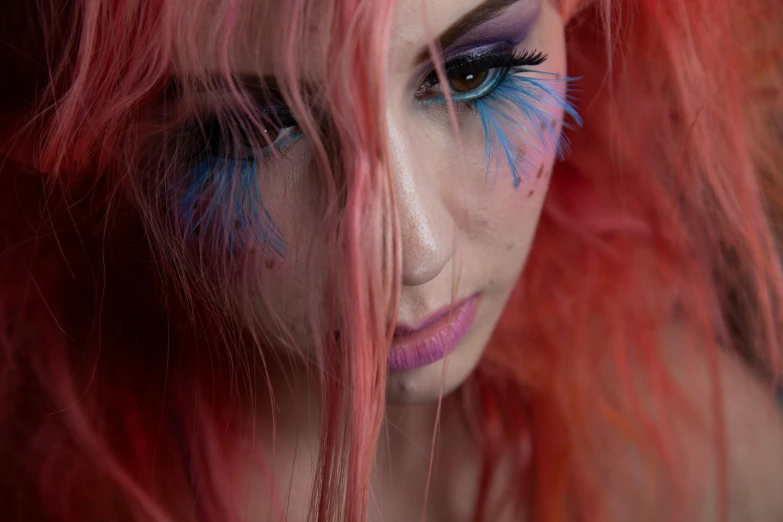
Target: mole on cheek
<point>540,171</point>
<point>269,263</point>
<point>530,195</point>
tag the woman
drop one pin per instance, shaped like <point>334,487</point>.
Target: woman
<point>263,260</point>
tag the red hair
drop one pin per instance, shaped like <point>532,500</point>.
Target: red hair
<point>118,397</point>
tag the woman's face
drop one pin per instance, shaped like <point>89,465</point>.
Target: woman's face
<point>467,219</point>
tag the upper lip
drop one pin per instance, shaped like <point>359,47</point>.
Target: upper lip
<point>407,329</point>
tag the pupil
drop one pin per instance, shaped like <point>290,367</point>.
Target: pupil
<point>469,81</point>
<point>271,133</point>
<point>268,136</point>
<point>219,141</point>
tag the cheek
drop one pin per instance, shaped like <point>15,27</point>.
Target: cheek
<point>498,198</point>
<point>290,194</point>
<point>283,283</point>
<point>504,218</point>
<point>486,205</point>
<point>534,182</point>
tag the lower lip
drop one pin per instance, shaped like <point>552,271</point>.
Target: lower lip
<point>433,342</point>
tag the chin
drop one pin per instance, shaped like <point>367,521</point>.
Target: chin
<point>437,379</point>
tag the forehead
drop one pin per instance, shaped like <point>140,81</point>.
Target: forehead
<point>262,30</point>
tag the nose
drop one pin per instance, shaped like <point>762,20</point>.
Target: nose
<point>427,228</point>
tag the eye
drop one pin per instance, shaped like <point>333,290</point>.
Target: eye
<point>474,84</point>
<point>467,82</point>
<point>284,137</point>
<point>241,139</point>
<point>476,74</point>
<point>464,85</point>
<point>270,137</point>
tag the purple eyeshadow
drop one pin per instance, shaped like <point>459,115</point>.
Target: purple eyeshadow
<point>506,30</point>
<point>510,28</point>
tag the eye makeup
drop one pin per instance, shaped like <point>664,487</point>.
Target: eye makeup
<point>520,106</point>
<point>266,129</point>
<point>218,203</point>
<point>511,28</point>
<point>523,114</point>
<point>482,67</point>
<point>219,206</point>
<point>493,21</point>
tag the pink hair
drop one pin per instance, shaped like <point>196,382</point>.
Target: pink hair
<point>118,397</point>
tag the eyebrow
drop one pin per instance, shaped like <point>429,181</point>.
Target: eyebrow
<point>478,16</point>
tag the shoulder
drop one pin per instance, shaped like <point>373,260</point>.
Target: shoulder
<point>697,391</point>
<point>752,422</point>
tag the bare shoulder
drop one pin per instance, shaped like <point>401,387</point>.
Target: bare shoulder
<point>753,423</point>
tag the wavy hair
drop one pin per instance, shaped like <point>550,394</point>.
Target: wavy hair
<point>127,356</point>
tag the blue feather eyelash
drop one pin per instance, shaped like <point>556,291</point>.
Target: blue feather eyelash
<point>514,112</point>
<point>221,202</point>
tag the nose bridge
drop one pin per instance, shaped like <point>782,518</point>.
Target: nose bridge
<point>426,226</point>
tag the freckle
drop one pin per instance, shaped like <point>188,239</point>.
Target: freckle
<point>540,171</point>
<point>531,193</point>
<point>269,263</point>
<point>236,224</point>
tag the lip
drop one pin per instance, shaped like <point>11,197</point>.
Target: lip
<point>434,338</point>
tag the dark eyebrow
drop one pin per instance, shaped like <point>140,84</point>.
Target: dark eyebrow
<point>481,14</point>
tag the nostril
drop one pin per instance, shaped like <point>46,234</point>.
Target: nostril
<point>419,273</point>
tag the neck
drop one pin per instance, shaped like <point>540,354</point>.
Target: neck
<point>409,456</point>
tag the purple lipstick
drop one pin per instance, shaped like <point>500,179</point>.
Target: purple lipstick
<point>434,338</point>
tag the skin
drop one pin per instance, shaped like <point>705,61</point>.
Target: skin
<point>462,234</point>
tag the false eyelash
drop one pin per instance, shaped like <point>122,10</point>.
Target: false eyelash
<point>514,112</point>
<point>485,61</point>
<point>220,203</point>
<point>496,60</point>
<point>501,60</point>
<point>277,117</point>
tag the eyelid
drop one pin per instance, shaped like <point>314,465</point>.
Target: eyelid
<point>470,57</point>
<point>499,63</point>
<point>486,61</point>
<point>279,115</point>
<point>224,138</point>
